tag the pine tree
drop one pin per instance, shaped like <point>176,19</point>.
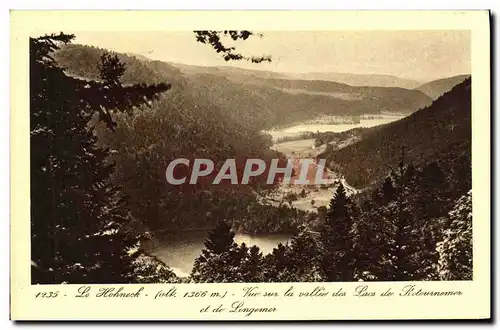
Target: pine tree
<point>370,237</point>
<point>76,234</point>
<point>434,191</point>
<point>388,190</point>
<point>251,264</point>
<point>303,257</point>
<point>387,236</point>
<point>221,239</point>
<point>415,209</point>
<point>399,228</point>
<point>455,250</point>
<point>111,69</point>
<point>433,201</point>
<point>220,259</point>
<point>150,269</point>
<point>422,197</point>
<point>277,264</point>
<point>401,220</point>
<point>337,255</point>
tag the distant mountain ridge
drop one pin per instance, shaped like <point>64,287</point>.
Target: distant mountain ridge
<point>353,79</point>
<point>438,87</point>
<point>257,99</point>
<point>227,71</point>
<point>373,80</point>
<point>368,80</point>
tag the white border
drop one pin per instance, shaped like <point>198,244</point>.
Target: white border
<point>127,4</point>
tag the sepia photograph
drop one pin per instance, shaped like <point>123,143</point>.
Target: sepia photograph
<point>250,165</point>
<point>240,156</point>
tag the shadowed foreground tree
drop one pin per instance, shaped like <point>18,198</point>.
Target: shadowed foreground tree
<point>337,238</point>
<point>407,233</point>
<point>219,259</point>
<point>294,262</point>
<point>455,250</point>
<point>276,265</point>
<point>78,232</point>
<point>250,269</point>
<point>223,261</point>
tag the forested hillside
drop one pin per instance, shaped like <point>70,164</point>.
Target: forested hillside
<point>185,123</point>
<point>269,100</point>
<point>257,99</point>
<point>440,132</point>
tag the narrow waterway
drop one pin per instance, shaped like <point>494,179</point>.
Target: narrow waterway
<point>179,251</point>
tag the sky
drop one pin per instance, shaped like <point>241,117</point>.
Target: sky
<point>418,55</point>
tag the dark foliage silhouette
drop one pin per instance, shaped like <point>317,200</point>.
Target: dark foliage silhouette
<point>79,234</point>
<point>214,39</point>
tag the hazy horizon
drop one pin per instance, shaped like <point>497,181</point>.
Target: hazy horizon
<point>416,55</point>
<point>224,65</point>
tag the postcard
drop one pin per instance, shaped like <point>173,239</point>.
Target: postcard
<point>258,165</point>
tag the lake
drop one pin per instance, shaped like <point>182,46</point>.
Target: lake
<point>337,128</point>
<point>179,251</point>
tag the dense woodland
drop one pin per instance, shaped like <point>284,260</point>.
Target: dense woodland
<point>180,124</point>
<point>441,131</point>
<point>106,125</point>
<point>410,229</point>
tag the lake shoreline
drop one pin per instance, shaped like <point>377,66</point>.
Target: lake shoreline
<point>179,254</point>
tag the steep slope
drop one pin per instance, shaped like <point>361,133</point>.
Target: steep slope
<point>436,88</point>
<point>82,60</point>
<point>269,103</point>
<point>440,132</point>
